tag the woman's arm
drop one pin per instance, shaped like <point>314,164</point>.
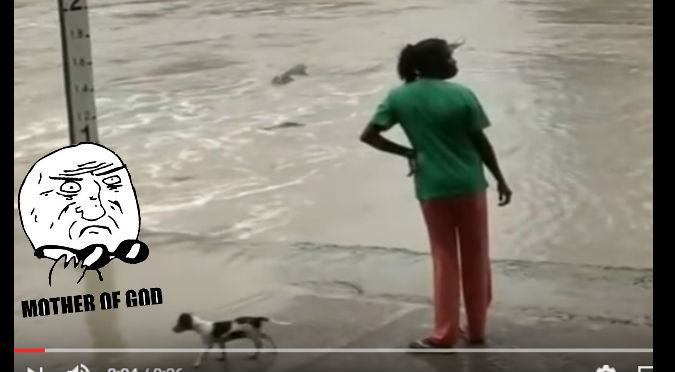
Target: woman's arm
<point>372,136</point>
<point>487,155</point>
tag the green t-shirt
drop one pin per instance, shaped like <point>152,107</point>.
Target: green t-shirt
<point>437,117</point>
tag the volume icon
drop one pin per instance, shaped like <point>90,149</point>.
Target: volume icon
<point>79,368</point>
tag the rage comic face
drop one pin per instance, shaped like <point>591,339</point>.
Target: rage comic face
<point>78,196</point>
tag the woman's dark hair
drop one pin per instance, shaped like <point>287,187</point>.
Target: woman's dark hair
<point>428,58</point>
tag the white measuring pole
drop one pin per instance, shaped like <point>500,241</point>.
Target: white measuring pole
<point>78,70</point>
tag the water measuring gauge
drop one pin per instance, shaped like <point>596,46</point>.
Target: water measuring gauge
<point>78,70</point>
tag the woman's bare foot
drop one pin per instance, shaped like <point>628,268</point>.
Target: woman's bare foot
<point>472,341</point>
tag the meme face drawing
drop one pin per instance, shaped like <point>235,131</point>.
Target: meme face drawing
<point>78,203</point>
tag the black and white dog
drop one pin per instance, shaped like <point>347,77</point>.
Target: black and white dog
<point>223,331</point>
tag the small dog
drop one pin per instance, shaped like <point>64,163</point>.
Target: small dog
<point>223,331</point>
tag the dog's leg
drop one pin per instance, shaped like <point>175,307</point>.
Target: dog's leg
<point>255,337</point>
<point>265,336</point>
<point>198,361</point>
<point>223,356</point>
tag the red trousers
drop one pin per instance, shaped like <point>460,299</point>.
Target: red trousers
<point>458,233</point>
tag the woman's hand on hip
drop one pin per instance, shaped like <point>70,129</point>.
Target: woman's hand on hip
<point>412,163</point>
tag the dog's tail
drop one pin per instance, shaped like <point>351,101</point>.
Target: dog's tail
<point>274,321</point>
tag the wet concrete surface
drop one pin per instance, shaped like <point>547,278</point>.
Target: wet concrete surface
<point>321,322</point>
<point>334,300</point>
<point>331,323</point>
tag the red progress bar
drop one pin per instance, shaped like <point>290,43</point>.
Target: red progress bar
<point>29,350</point>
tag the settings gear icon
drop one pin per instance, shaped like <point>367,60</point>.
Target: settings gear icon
<point>605,368</point>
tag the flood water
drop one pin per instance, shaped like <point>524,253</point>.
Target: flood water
<point>183,95</point>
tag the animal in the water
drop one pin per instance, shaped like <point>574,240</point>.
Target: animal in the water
<point>285,124</point>
<point>287,77</point>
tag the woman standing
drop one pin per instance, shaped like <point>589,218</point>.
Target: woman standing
<point>444,122</point>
